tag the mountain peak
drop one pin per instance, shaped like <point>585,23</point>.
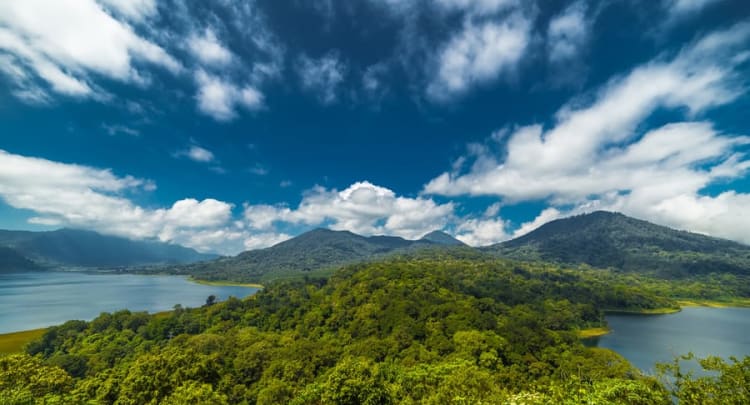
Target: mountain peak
<point>613,240</point>
<point>442,238</point>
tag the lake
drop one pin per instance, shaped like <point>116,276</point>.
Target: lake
<point>33,300</point>
<point>647,339</point>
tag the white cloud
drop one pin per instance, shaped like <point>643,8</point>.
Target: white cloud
<point>548,214</point>
<point>322,76</point>
<point>683,7</point>
<point>136,10</point>
<point>482,232</point>
<point>198,154</point>
<point>116,129</point>
<point>68,43</point>
<point>264,240</point>
<point>567,33</point>
<point>363,208</point>
<point>477,6</point>
<point>192,213</point>
<point>598,155</point>
<point>208,49</point>
<point>219,98</point>
<point>90,198</point>
<point>480,53</point>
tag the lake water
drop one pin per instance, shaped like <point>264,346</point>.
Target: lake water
<point>33,300</point>
<point>647,339</point>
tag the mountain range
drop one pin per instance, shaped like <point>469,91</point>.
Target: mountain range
<point>25,250</point>
<point>313,251</point>
<point>599,239</point>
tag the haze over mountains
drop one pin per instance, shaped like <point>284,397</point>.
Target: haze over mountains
<point>24,250</point>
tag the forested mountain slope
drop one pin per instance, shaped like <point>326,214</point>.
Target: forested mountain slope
<point>612,240</point>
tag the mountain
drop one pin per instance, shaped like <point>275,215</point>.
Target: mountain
<point>613,240</point>
<point>78,248</point>
<point>11,260</point>
<point>319,249</point>
<point>442,238</point>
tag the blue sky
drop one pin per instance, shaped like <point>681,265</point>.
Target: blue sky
<point>237,124</point>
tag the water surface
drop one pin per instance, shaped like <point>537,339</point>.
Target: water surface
<point>31,300</point>
<point>647,339</point>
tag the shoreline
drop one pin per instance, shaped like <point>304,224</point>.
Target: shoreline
<point>589,333</point>
<point>734,303</point>
<point>224,283</point>
<point>655,311</point>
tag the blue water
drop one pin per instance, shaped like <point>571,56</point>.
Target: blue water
<point>647,339</point>
<point>33,300</point>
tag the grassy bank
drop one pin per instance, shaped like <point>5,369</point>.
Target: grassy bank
<point>730,303</point>
<point>224,283</point>
<point>593,332</point>
<point>14,342</point>
<point>655,311</point>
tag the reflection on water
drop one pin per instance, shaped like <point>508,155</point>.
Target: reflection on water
<point>33,300</point>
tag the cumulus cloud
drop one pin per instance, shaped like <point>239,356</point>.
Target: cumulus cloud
<point>567,33</point>
<point>69,53</point>
<point>597,154</point>
<point>91,198</point>
<point>322,76</point>
<point>220,98</point>
<point>208,49</point>
<point>480,53</point>
<point>482,232</point>
<point>363,208</point>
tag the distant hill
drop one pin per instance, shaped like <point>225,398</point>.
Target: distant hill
<point>11,260</point>
<point>312,251</point>
<point>77,248</point>
<point>613,240</point>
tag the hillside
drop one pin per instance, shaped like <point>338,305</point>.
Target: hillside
<point>77,248</point>
<point>11,260</point>
<point>313,251</point>
<point>612,240</point>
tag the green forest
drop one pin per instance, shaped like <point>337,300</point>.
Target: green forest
<point>441,330</point>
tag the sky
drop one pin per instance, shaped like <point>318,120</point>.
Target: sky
<point>232,125</point>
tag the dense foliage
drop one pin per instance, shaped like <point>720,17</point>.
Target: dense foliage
<point>401,331</point>
<point>611,240</point>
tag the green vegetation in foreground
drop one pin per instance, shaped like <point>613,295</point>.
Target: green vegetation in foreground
<point>447,330</point>
<point>14,342</point>
<point>593,332</point>
<point>224,283</point>
<point>409,330</point>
